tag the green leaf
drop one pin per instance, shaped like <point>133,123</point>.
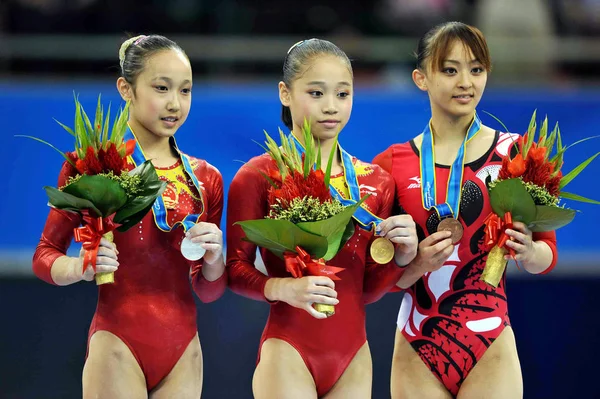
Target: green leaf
<point>511,196</point>
<point>106,194</point>
<point>51,146</point>
<point>581,141</point>
<point>573,174</point>
<point>530,134</point>
<point>281,236</point>
<point>348,233</point>
<point>68,202</point>
<point>543,133</point>
<point>105,128</point>
<point>98,120</point>
<point>68,129</point>
<point>550,218</point>
<point>309,151</point>
<point>579,198</point>
<point>551,140</point>
<point>332,229</point>
<point>497,120</point>
<point>318,167</point>
<point>332,153</point>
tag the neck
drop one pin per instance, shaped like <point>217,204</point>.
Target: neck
<point>326,147</point>
<point>155,147</point>
<point>447,129</point>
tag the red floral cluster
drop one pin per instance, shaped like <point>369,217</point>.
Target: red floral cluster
<point>104,161</point>
<point>296,186</point>
<point>534,168</point>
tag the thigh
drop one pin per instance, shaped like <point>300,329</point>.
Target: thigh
<point>111,371</point>
<point>282,373</point>
<point>497,375</point>
<point>411,378</point>
<point>184,381</point>
<point>356,381</point>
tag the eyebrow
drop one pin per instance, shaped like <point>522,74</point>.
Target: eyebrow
<point>474,61</point>
<point>166,79</point>
<point>321,83</point>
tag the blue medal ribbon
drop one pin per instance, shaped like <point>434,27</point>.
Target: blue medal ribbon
<point>450,207</point>
<point>158,208</point>
<point>363,216</point>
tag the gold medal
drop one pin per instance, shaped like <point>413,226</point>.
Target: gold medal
<point>382,250</point>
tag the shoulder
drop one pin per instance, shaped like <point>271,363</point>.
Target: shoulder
<point>204,170</point>
<point>395,151</point>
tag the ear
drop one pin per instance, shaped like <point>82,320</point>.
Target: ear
<point>284,94</point>
<point>125,89</point>
<point>420,79</point>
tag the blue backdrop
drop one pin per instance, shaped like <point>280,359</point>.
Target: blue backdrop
<point>44,328</point>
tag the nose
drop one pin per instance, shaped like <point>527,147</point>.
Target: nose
<point>465,81</point>
<point>173,104</point>
<point>329,106</point>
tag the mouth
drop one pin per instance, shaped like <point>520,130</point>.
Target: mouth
<point>169,119</point>
<point>464,96</point>
<point>329,123</point>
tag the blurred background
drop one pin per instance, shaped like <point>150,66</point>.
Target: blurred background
<point>546,56</point>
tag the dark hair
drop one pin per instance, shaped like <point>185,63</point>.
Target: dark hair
<point>136,50</point>
<point>295,63</point>
<point>436,44</point>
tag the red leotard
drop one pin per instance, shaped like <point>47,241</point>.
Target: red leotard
<point>327,346</point>
<point>449,316</point>
<point>150,306</point>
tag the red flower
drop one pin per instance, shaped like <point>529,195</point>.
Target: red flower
<point>111,160</point>
<point>71,170</point>
<point>296,186</point>
<point>90,165</point>
<point>553,184</point>
<point>512,168</point>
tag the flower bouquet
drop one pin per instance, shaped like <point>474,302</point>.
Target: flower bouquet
<point>101,188</point>
<point>305,226</point>
<point>528,189</point>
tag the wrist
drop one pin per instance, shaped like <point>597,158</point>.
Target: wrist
<point>75,270</point>
<point>213,270</point>
<point>403,259</point>
<point>272,290</point>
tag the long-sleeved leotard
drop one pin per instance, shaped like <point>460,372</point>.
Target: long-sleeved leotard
<point>150,306</point>
<point>327,346</point>
<point>449,316</point>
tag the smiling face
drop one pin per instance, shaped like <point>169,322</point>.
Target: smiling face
<point>456,88</point>
<point>161,95</point>
<point>322,94</point>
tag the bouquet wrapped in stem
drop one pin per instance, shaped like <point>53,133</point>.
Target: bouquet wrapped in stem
<point>101,188</point>
<point>305,226</point>
<point>529,189</point>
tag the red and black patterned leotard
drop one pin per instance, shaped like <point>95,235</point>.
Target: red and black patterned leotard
<point>326,346</point>
<point>150,306</point>
<point>449,316</point>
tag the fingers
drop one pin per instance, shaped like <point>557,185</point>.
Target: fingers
<point>313,312</point>
<point>321,280</point>
<point>323,290</point>
<point>212,247</point>
<point>517,246</point>
<point>107,252</point>
<point>202,228</point>
<point>433,250</point>
<point>107,244</point>
<point>214,238</point>
<point>398,221</point>
<point>435,238</point>
<point>518,236</point>
<point>521,227</point>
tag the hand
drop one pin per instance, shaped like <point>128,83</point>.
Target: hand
<point>303,292</point>
<point>402,231</point>
<point>106,261</point>
<point>210,237</point>
<point>434,251</point>
<point>521,242</point>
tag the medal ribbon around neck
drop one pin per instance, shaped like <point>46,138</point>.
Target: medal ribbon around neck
<point>365,218</point>
<point>450,207</point>
<point>158,208</point>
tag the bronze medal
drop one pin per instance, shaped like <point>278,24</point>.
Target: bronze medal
<point>382,250</point>
<point>453,226</point>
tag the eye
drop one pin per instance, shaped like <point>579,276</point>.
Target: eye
<point>477,70</point>
<point>449,71</point>
<point>186,91</point>
<point>343,94</point>
<point>315,93</point>
<point>161,88</point>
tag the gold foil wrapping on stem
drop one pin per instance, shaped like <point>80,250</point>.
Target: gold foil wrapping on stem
<point>108,277</point>
<point>494,266</point>
<point>329,310</point>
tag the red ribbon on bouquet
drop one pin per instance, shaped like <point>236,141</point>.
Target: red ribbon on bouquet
<point>301,264</point>
<point>91,234</point>
<point>495,232</point>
